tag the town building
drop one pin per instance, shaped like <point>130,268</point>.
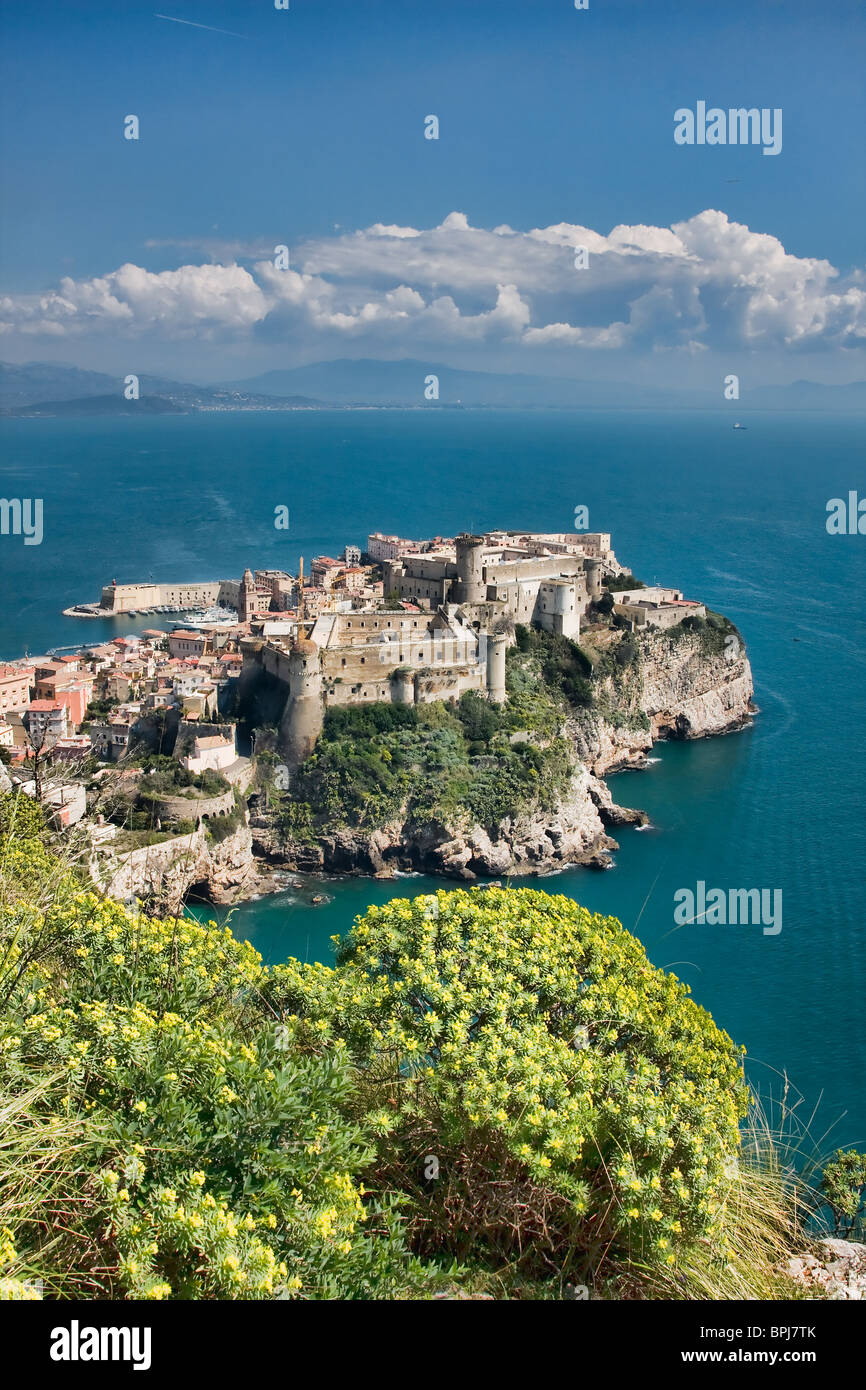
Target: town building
<point>16,684</point>
<point>46,721</point>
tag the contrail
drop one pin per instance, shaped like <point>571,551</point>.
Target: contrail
<point>192,24</point>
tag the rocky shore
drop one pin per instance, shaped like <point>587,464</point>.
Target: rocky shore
<point>164,874</point>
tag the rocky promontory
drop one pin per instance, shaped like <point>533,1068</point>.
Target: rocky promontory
<point>652,686</point>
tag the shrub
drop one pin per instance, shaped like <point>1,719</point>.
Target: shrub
<point>20,816</point>
<point>617,583</point>
<point>577,1099</point>
<point>480,718</point>
<point>212,1156</point>
<point>843,1186</point>
<point>363,721</point>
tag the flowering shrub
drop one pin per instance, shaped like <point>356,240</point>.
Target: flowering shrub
<point>217,1161</point>
<point>574,1095</point>
<point>497,1073</point>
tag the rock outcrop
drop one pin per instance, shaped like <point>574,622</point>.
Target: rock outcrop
<point>163,874</point>
<point>573,832</point>
<point>835,1269</point>
<point>689,692</point>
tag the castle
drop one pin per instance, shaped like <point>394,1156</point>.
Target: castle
<point>454,611</point>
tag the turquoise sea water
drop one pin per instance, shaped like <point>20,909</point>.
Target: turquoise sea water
<point>735,518</point>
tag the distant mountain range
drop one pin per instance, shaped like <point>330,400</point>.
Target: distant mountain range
<point>53,389</point>
<point>47,388</point>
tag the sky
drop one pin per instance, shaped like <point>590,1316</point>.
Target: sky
<point>262,127</point>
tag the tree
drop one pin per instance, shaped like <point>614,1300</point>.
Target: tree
<point>843,1186</point>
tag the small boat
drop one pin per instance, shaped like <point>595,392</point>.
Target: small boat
<point>738,426</point>
<point>318,898</point>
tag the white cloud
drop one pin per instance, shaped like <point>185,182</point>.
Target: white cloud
<point>703,283</point>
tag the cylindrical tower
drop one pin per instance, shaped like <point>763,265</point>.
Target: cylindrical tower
<point>471,586</point>
<point>496,644</point>
<point>593,578</point>
<point>302,718</point>
<point>403,686</point>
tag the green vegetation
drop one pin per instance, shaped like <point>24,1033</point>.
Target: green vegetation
<point>219,828</point>
<point>163,1136</point>
<point>617,583</point>
<point>99,710</point>
<point>843,1186</point>
<point>169,778</point>
<point>392,601</point>
<point>373,762</point>
<point>712,632</point>
<point>135,804</point>
<point>491,1091</point>
<point>563,665</point>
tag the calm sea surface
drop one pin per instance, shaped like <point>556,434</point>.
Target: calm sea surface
<point>735,518</point>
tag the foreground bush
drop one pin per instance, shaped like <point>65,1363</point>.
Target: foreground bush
<point>169,1141</point>
<point>493,1089</point>
<point>575,1099</point>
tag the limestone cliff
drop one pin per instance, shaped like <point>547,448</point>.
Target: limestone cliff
<point>690,691</point>
<point>162,874</point>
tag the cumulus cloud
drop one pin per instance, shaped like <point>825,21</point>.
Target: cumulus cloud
<point>704,283</point>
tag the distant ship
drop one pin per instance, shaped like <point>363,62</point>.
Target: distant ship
<point>738,426</point>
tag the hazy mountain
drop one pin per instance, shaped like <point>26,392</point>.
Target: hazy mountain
<point>367,381</point>
<point>809,395</point>
<point>47,388</point>
<point>49,381</point>
<point>370,382</point>
<point>115,404</point>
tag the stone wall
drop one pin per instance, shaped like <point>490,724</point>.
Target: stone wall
<point>191,808</point>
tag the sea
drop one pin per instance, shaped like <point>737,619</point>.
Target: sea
<point>736,518</point>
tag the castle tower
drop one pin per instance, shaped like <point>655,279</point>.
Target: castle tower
<point>593,572</point>
<point>496,644</point>
<point>471,586</point>
<point>566,608</point>
<point>403,686</point>
<point>303,715</point>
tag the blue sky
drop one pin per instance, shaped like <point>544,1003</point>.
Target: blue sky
<point>308,130</point>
